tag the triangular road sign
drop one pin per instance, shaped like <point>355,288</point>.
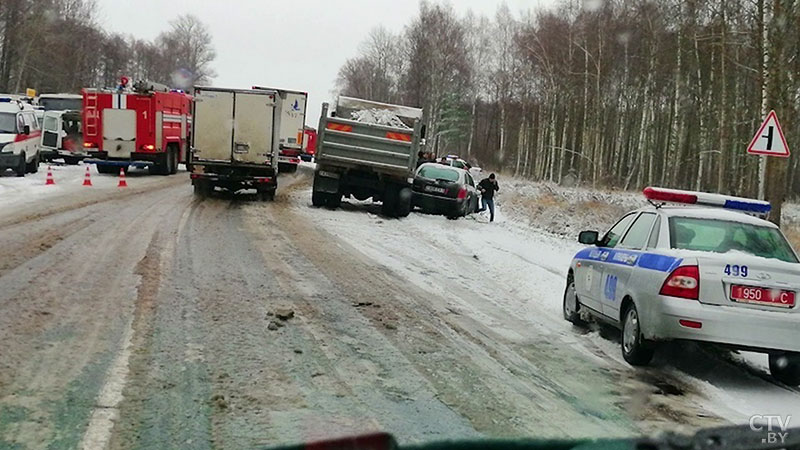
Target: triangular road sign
<point>769,140</point>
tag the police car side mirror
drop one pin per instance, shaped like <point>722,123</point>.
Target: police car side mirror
<point>26,129</point>
<point>588,237</point>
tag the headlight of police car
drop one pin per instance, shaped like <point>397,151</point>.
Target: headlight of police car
<point>3,144</point>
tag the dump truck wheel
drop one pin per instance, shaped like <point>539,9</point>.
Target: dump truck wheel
<point>318,198</point>
<point>334,201</point>
<point>390,200</point>
<point>404,202</point>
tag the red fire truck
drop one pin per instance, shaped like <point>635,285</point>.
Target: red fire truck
<point>309,144</point>
<point>147,126</point>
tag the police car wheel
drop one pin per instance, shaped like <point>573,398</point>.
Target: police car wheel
<point>571,304</point>
<point>635,349</point>
<point>785,367</point>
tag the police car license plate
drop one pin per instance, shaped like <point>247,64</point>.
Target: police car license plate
<point>436,189</point>
<point>762,296</point>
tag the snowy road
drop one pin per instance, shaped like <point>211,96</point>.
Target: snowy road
<point>144,318</point>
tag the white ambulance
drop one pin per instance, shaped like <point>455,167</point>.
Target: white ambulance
<point>19,137</point>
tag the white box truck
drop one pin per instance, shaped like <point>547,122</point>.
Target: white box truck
<point>293,121</point>
<point>235,140</point>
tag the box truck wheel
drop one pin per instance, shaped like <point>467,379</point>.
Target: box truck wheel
<point>266,194</point>
<point>203,188</point>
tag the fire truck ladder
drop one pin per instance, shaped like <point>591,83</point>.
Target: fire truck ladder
<point>92,115</point>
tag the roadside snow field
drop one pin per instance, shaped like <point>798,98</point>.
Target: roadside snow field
<point>527,251</point>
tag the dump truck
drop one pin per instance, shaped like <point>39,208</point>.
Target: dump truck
<point>235,140</point>
<point>362,158</point>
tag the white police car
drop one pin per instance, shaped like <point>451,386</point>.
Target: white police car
<point>708,272</point>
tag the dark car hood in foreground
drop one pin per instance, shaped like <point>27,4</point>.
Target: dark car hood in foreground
<point>734,437</point>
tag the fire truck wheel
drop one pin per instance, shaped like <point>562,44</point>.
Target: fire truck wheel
<point>21,167</point>
<point>173,159</point>
<point>162,165</point>
<point>167,168</point>
<point>33,166</point>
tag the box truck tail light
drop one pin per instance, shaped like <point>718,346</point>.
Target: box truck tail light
<point>683,282</point>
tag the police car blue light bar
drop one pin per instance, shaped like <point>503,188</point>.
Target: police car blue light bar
<point>705,199</point>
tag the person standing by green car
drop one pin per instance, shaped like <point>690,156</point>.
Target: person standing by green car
<point>487,187</point>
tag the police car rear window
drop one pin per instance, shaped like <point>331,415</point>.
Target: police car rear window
<point>721,236</point>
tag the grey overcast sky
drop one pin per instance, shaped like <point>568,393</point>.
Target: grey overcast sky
<point>291,44</point>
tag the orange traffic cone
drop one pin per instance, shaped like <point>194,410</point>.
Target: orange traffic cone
<point>87,179</point>
<point>122,182</point>
<point>50,179</point>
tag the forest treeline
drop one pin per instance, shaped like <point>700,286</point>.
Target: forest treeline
<point>59,46</point>
<point>620,93</point>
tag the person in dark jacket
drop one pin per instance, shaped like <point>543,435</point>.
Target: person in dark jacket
<point>487,187</point>
<point>422,158</point>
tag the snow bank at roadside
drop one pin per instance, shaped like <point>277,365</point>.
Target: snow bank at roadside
<point>560,210</point>
<point>566,211</point>
<point>32,192</point>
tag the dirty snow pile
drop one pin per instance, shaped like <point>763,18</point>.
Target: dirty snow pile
<point>564,210</point>
<point>567,210</point>
<point>379,117</point>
